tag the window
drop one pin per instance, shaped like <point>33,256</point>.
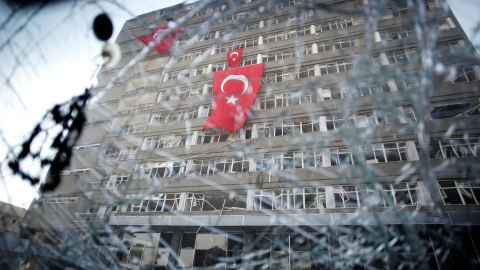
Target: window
<point>465,74</point>
<point>288,160</point>
<point>393,34</point>
<point>167,141</point>
<point>202,167</point>
<point>115,181</point>
<point>387,152</point>
<point>340,156</point>
<point>160,170</point>
<point>294,198</point>
<point>112,153</point>
<point>455,110</point>
<point>180,115</point>
<point>157,203</point>
<point>403,56</point>
<point>74,172</point>
<point>213,136</point>
<point>338,24</point>
<point>459,192</point>
<point>335,67</point>
<point>404,193</point>
<point>405,84</point>
<point>453,148</point>
<point>346,197</point>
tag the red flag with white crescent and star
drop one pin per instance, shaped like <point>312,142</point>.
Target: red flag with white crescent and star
<point>234,92</point>
<point>234,57</point>
<point>163,45</point>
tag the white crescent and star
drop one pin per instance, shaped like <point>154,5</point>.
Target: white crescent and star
<point>232,99</point>
<point>233,54</point>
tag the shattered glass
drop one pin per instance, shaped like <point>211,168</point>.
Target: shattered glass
<point>360,152</point>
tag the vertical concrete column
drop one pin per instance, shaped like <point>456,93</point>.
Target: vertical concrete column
<point>261,24</point>
<point>260,40</point>
<point>174,250</point>
<point>183,201</point>
<point>259,58</point>
<point>425,196</point>
<point>401,116</point>
<point>314,48</point>
<point>205,89</point>
<point>323,125</point>
<point>194,138</point>
<point>200,111</point>
<point>392,84</point>
<point>251,165</point>
<point>312,29</point>
<point>450,22</point>
<point>250,199</point>
<point>376,37</point>
<point>254,131</point>
<point>326,158</point>
<point>217,34</point>
<point>412,151</point>
<point>329,198</point>
<point>476,69</point>
<point>165,78</point>
<point>316,71</point>
<point>383,59</point>
<point>256,105</point>
<point>319,95</point>
<point>209,68</point>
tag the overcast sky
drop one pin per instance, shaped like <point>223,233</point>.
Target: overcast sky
<point>55,56</point>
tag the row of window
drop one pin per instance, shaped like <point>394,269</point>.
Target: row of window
<point>62,200</point>
<point>285,128</point>
<point>453,148</point>
<point>180,115</point>
<point>305,96</point>
<point>130,129</point>
<point>98,123</point>
<point>115,181</point>
<point>388,152</point>
<point>336,156</point>
<point>452,192</point>
<point>394,57</point>
<point>325,26</point>
<point>112,153</point>
<point>295,127</point>
<point>239,14</point>
<point>136,108</point>
<point>74,172</point>
<point>465,109</point>
<point>400,56</point>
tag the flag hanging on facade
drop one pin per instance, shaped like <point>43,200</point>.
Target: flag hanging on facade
<point>234,57</point>
<point>163,45</point>
<point>234,92</point>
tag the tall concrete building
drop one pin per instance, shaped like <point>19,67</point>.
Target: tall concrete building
<point>360,152</point>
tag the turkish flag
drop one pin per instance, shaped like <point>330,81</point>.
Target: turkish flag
<point>234,57</point>
<point>234,92</point>
<point>163,45</point>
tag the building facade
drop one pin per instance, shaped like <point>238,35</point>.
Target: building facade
<point>360,152</point>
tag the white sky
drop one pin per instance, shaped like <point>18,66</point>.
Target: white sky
<point>54,58</point>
